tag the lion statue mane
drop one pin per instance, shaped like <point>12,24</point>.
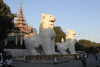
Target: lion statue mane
<point>45,38</point>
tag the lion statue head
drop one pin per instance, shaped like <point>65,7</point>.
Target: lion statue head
<point>71,34</point>
<point>47,22</point>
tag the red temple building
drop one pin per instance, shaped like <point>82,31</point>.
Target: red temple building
<point>21,29</point>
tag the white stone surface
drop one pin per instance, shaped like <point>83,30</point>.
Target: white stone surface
<point>71,34</point>
<point>47,18</point>
<point>18,52</point>
<point>45,37</point>
<point>69,43</point>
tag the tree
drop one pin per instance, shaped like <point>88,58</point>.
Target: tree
<point>89,46</point>
<point>87,50</point>
<point>59,34</point>
<point>6,21</point>
<point>98,47</point>
<point>91,49</point>
<point>79,47</point>
<point>1,46</point>
<point>96,50</point>
<point>85,43</point>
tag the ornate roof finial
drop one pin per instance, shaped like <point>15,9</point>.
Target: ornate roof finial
<point>21,4</point>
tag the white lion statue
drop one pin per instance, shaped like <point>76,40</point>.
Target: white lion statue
<point>69,43</point>
<point>45,37</point>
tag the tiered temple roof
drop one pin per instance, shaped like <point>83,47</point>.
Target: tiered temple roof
<point>21,25</point>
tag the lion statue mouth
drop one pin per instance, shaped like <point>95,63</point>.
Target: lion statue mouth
<point>47,21</point>
<point>74,35</point>
<point>52,22</point>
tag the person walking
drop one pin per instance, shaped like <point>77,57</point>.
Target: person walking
<point>83,60</point>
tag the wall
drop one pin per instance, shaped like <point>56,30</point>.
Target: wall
<point>18,52</point>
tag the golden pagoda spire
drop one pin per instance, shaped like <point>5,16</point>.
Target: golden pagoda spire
<point>21,4</point>
<point>88,38</point>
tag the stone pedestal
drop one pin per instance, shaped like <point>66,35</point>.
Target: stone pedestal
<point>48,58</point>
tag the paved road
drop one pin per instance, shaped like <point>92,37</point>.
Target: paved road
<point>91,62</point>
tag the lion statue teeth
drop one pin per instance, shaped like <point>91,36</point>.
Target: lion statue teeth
<point>69,43</point>
<point>45,37</point>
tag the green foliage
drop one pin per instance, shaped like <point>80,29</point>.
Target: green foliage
<point>87,50</point>
<point>59,34</point>
<point>85,43</point>
<point>79,47</point>
<point>96,50</point>
<point>91,49</point>
<point>1,46</point>
<point>6,21</point>
<point>98,47</point>
<point>87,46</point>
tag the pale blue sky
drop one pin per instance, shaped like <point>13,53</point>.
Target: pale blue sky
<point>82,16</point>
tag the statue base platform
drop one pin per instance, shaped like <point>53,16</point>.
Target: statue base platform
<point>49,58</point>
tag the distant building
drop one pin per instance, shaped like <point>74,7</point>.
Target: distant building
<point>21,29</point>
